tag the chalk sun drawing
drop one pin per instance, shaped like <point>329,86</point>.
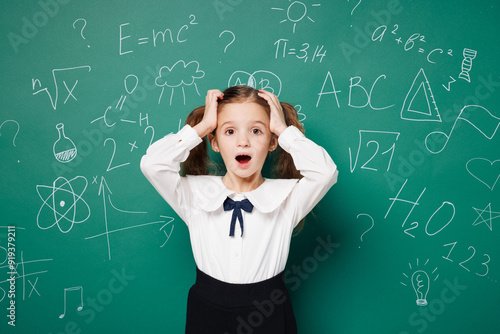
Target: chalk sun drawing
<point>62,205</point>
<point>296,12</point>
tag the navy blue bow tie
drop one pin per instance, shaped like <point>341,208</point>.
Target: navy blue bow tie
<point>237,206</point>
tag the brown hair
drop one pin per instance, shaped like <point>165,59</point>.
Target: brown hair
<point>199,162</point>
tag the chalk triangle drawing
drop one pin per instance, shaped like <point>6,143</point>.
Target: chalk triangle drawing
<point>419,104</point>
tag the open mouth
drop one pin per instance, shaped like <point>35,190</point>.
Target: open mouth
<point>243,159</point>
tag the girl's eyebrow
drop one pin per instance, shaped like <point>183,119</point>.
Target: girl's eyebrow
<point>251,122</point>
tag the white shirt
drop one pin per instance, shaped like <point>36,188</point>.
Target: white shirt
<point>279,205</point>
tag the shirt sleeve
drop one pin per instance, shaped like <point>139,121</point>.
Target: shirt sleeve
<point>319,172</point>
<point>161,166</point>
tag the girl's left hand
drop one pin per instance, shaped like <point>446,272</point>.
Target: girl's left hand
<point>277,119</point>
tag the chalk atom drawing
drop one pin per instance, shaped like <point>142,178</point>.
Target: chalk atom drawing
<point>63,204</point>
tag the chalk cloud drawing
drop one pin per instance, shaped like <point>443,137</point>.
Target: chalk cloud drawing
<point>488,217</point>
<point>420,282</point>
<point>296,12</point>
<point>259,80</point>
<point>480,167</point>
<point>63,204</point>
<point>477,116</point>
<point>419,103</point>
<point>64,149</point>
<point>179,75</point>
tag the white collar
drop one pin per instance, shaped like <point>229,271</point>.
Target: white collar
<point>210,192</point>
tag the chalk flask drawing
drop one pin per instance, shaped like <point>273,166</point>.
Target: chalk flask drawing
<point>64,148</point>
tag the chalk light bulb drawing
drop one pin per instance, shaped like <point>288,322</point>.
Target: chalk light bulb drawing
<point>420,282</point>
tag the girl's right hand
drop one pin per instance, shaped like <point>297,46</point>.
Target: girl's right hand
<point>209,121</point>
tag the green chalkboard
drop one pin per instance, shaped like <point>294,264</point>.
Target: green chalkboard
<point>404,95</point>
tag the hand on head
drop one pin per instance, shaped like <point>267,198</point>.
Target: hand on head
<point>209,121</point>
<point>277,122</point>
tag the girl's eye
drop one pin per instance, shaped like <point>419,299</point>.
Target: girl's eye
<point>256,131</point>
<point>229,131</point>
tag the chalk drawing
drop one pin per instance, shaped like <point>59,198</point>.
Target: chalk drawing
<point>481,170</point>
<point>296,12</point>
<point>106,193</point>
<point>477,116</point>
<point>64,149</point>
<point>179,75</point>
<point>420,282</point>
<point>422,105</point>
<point>76,288</point>
<point>469,55</point>
<point>488,217</point>
<point>63,204</point>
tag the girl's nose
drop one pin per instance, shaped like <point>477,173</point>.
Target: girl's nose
<point>243,141</point>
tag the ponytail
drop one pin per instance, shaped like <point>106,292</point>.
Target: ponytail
<point>284,167</point>
<point>198,161</point>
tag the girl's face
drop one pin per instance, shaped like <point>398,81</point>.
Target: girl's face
<point>243,139</point>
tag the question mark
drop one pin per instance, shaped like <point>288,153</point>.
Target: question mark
<point>234,38</point>
<point>13,140</point>
<point>373,223</point>
<point>84,25</point>
<point>352,11</point>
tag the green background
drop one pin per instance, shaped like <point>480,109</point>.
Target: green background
<point>361,94</point>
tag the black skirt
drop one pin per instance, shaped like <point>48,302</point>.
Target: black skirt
<point>216,307</point>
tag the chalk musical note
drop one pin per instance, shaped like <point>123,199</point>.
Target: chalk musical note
<point>81,299</point>
<point>477,116</point>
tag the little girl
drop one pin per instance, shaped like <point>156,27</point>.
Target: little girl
<point>240,224</point>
